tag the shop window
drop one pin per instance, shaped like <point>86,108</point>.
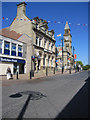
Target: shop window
<point>7,48</point>
<point>13,49</point>
<point>20,51</point>
<point>0,46</point>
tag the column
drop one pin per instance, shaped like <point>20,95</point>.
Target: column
<point>54,61</point>
<point>38,42</point>
<point>41,62</point>
<point>46,61</point>
<point>42,43</point>
<point>47,43</point>
<point>50,63</point>
<point>54,48</point>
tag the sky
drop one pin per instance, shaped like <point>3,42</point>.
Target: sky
<point>56,12</point>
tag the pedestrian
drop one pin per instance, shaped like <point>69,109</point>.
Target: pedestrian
<point>78,68</point>
<point>8,73</point>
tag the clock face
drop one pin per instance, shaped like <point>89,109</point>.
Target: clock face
<point>66,38</point>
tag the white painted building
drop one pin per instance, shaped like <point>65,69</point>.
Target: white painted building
<point>12,54</point>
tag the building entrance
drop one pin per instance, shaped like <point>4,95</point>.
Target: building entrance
<point>18,67</point>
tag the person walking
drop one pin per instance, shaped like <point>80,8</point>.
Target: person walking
<point>8,73</point>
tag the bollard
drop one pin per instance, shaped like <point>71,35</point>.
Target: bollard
<point>69,71</point>
<point>17,75</point>
<point>46,71</point>
<point>54,71</point>
<point>30,74</point>
<point>62,70</point>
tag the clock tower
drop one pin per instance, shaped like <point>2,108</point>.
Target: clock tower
<point>67,38</point>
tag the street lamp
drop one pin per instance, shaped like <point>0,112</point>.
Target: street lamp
<point>62,55</point>
<point>73,55</point>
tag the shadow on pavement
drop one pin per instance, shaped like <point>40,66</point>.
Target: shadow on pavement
<point>78,106</point>
<point>32,95</point>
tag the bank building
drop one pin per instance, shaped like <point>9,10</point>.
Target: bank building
<point>26,44</point>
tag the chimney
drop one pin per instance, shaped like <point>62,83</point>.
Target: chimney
<point>21,8</point>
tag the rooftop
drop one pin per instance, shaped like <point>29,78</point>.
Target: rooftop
<point>10,34</point>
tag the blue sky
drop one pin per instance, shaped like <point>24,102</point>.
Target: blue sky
<point>73,12</point>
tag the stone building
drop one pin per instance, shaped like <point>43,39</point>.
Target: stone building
<point>68,58</point>
<point>42,39</point>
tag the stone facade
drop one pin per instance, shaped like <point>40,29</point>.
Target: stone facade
<point>42,43</point>
<point>68,58</point>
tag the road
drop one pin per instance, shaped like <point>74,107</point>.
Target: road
<point>53,97</point>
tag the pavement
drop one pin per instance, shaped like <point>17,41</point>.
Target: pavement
<point>46,97</point>
<point>36,75</point>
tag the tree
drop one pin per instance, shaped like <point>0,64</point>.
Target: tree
<point>80,63</point>
<point>86,67</point>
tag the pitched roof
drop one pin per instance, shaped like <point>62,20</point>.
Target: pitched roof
<point>10,34</point>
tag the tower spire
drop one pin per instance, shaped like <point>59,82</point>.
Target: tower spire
<point>66,26</point>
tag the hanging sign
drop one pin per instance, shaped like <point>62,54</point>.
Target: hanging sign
<point>75,56</point>
<point>33,57</point>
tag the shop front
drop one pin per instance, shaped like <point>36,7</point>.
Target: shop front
<point>14,64</point>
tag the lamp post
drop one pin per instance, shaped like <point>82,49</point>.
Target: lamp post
<point>62,55</point>
<point>73,55</point>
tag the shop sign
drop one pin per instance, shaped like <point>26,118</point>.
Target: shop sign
<point>33,57</point>
<point>12,60</point>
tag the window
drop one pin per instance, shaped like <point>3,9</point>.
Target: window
<point>40,42</point>
<point>45,44</point>
<point>48,60</point>
<point>13,52</point>
<point>13,47</point>
<point>20,51</point>
<point>67,45</point>
<point>0,46</point>
<point>49,45</point>
<point>52,47</point>
<point>36,40</point>
<point>19,48</point>
<point>7,48</point>
<point>66,31</point>
<point>7,45</point>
